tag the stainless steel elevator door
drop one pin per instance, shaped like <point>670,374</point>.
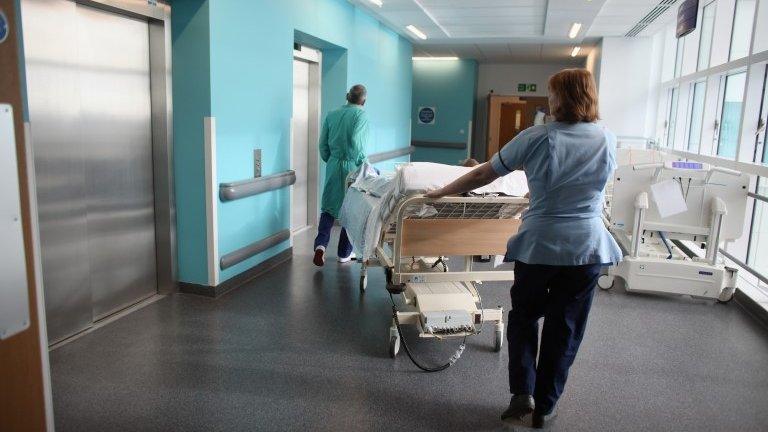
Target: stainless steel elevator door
<point>89,106</point>
<point>116,125</point>
<point>300,144</point>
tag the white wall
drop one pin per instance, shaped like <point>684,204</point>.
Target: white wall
<point>594,59</point>
<point>503,78</point>
<point>626,79</point>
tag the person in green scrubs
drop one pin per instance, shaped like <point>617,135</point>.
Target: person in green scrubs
<point>342,147</point>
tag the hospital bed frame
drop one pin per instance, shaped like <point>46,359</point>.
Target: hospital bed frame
<point>657,259</point>
<point>465,226</point>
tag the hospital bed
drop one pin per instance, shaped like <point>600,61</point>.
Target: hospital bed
<point>412,238</point>
<point>670,217</point>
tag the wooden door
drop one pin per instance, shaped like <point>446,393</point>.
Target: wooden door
<point>508,116</point>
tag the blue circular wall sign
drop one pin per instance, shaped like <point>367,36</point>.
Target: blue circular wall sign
<point>426,115</point>
<point>3,27</point>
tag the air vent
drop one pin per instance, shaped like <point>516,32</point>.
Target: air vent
<point>656,12</point>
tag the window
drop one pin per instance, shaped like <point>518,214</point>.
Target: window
<point>707,31</point>
<point>679,57</point>
<point>741,32</point>
<point>697,116</point>
<point>672,117</point>
<point>730,115</point>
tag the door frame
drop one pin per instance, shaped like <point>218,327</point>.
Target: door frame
<point>494,119</point>
<point>314,58</point>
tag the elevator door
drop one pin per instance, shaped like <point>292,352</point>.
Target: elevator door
<point>300,145</point>
<point>89,109</point>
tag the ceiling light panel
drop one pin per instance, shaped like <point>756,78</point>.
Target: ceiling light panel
<point>416,32</point>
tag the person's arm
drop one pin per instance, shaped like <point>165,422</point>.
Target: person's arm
<point>478,177</point>
<point>510,158</point>
<point>325,148</point>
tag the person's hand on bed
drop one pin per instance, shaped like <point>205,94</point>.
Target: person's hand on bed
<point>478,177</point>
<point>437,193</point>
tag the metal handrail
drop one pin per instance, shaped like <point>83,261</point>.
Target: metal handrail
<point>391,154</point>
<point>255,248</point>
<point>245,188</point>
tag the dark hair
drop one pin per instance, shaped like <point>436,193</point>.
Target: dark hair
<point>573,96</point>
<point>357,94</point>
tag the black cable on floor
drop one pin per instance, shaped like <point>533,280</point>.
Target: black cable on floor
<point>454,358</point>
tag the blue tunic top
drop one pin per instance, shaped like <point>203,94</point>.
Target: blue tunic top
<point>567,166</point>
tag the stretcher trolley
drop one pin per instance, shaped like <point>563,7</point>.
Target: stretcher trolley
<point>416,242</point>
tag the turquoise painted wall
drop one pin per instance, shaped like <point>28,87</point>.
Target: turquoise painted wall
<point>450,87</point>
<point>191,103</point>
<point>251,52</point>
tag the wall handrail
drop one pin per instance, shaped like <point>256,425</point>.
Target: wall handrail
<point>391,154</point>
<point>239,255</point>
<point>244,188</point>
<point>440,144</point>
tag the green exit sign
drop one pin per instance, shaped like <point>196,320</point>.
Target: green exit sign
<point>521,87</point>
<point>526,87</point>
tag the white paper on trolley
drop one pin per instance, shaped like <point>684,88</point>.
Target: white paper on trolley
<point>669,199</point>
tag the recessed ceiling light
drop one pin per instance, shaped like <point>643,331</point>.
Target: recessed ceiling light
<point>575,27</point>
<point>435,58</point>
<point>575,51</point>
<point>419,34</point>
<point>377,2</point>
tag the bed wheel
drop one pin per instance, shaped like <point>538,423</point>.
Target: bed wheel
<point>363,282</point>
<point>394,346</point>
<point>726,295</point>
<point>605,282</point>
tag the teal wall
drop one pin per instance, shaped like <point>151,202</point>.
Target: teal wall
<point>191,103</point>
<point>250,81</point>
<point>450,87</point>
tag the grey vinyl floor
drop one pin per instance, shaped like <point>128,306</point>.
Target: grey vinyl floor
<point>300,349</point>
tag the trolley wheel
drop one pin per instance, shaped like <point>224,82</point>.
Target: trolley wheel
<point>445,267</point>
<point>726,295</point>
<point>363,282</point>
<point>394,346</point>
<point>606,282</point>
<point>498,341</point>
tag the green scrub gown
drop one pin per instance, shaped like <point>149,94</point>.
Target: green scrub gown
<point>342,147</point>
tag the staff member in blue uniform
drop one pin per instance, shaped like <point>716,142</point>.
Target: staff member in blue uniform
<point>343,140</point>
<point>562,242</point>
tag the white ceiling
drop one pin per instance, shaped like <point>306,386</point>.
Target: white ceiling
<point>509,30</point>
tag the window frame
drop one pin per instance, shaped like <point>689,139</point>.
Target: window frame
<point>713,5</point>
<point>733,27</point>
<point>673,98</point>
<point>691,112</point>
<point>720,110</point>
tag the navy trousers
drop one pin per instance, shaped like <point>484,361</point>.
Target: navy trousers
<point>562,295</point>
<point>324,236</point>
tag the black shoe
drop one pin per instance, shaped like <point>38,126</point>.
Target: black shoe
<point>540,421</point>
<point>519,407</point>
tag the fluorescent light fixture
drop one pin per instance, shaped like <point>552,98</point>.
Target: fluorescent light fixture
<point>575,51</point>
<point>419,34</point>
<point>575,27</point>
<point>377,2</point>
<point>435,58</point>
